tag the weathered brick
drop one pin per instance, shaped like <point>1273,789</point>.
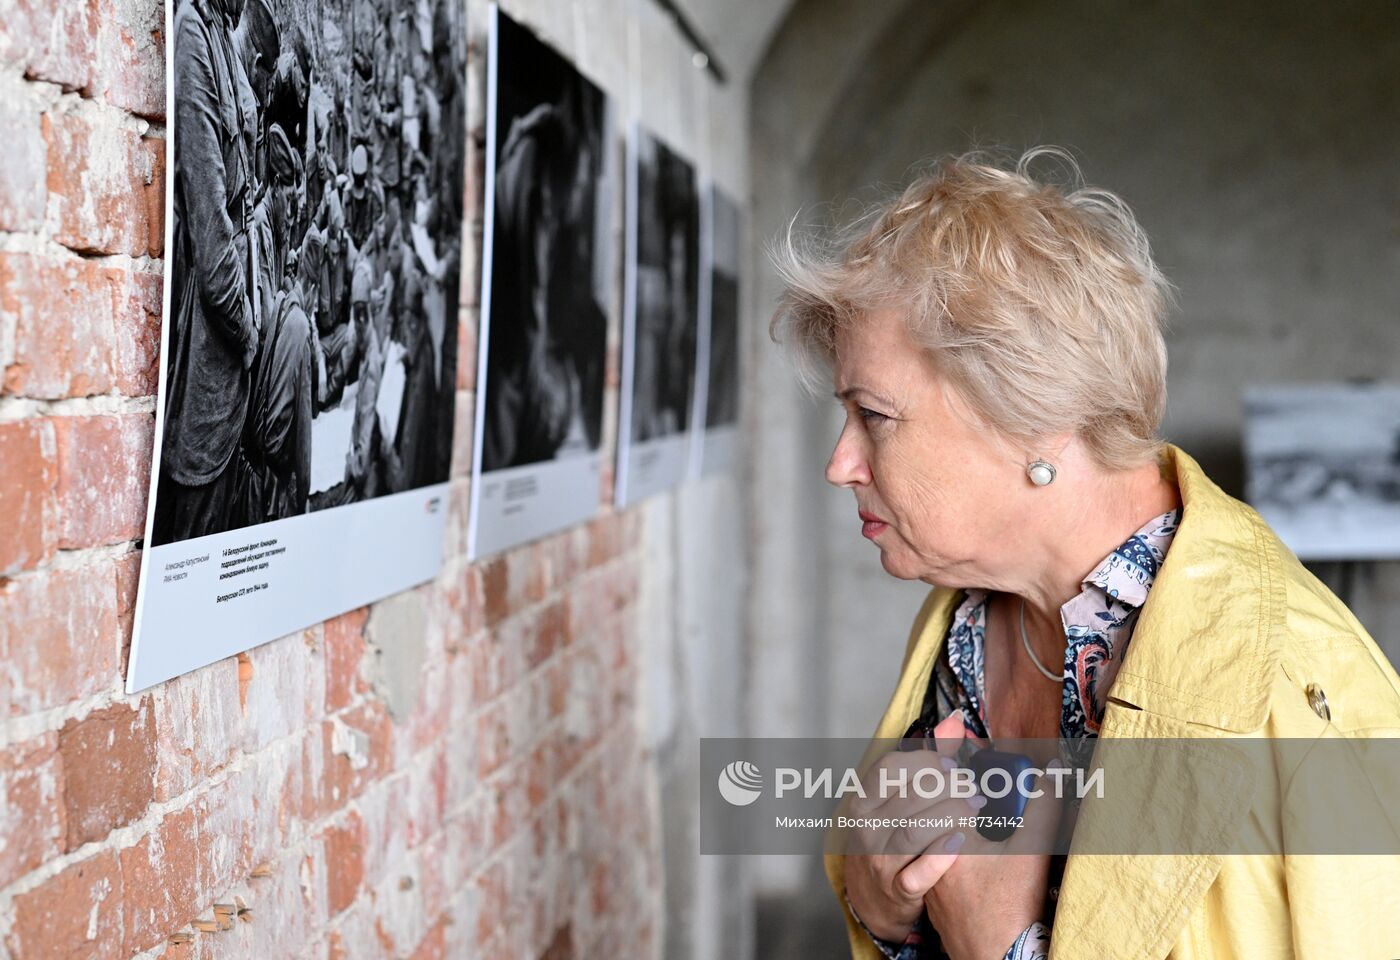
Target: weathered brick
<point>462,434</point>
<point>461,597</point>
<point>454,544</point>
<point>31,818</point>
<point>58,637</point>
<point>285,690</point>
<point>495,589</point>
<point>288,910</point>
<point>493,738</point>
<point>198,726</point>
<point>76,913</point>
<point>472,199</point>
<point>396,901</point>
<point>344,846</point>
<point>105,184</point>
<point>303,793</point>
<point>28,480</point>
<point>605,538</point>
<point>512,581</point>
<point>128,571</point>
<point>98,504</point>
<point>433,946</point>
<point>23,190</point>
<point>135,361</point>
<point>427,723</point>
<point>550,633</point>
<point>154,196</point>
<point>129,69</point>
<point>355,749</point>
<point>237,829</point>
<point>431,791</point>
<point>560,677</point>
<point>345,646</point>
<point>161,880</point>
<point>80,328</point>
<point>109,759</point>
<point>53,41</point>
<point>492,888</point>
<point>498,660</point>
<point>64,330</point>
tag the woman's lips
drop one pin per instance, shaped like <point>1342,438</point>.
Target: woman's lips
<point>873,526</point>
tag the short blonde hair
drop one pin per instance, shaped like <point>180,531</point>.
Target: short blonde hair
<point>1040,304</point>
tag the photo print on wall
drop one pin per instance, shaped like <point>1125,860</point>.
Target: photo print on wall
<point>660,320</point>
<point>309,350</point>
<point>1323,467</point>
<point>547,277</point>
<point>716,443</point>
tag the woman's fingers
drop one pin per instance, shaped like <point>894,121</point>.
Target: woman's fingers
<point>908,829</point>
<point>907,825</point>
<point>925,870</point>
<point>950,733</point>
<point>928,825</point>
<point>875,896</point>
<point>881,781</point>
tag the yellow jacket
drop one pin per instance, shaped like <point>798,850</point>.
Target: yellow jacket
<point>1260,630</point>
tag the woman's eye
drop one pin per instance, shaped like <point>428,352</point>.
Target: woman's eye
<point>871,416</point>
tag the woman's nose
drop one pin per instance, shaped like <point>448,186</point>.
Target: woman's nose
<point>847,465</point>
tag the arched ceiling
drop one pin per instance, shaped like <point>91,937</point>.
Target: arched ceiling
<point>739,31</point>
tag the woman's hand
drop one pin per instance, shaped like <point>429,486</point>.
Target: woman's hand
<point>993,891</point>
<point>887,889</point>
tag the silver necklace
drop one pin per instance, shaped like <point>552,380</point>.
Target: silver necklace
<point>1026,642</point>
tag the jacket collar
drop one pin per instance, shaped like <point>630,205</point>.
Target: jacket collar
<point>1199,664</point>
<point>1202,651</point>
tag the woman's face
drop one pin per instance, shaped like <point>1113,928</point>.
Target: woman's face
<point>947,495</point>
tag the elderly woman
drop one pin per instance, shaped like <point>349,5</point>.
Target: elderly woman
<point>996,345</point>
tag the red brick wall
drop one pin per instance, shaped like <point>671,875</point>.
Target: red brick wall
<point>270,805</point>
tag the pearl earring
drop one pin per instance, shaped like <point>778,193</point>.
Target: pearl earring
<point>1040,472</point>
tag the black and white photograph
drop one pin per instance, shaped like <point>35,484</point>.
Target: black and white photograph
<point>547,281</point>
<point>1323,466</point>
<point>309,352</point>
<point>717,392</point>
<point>660,320</point>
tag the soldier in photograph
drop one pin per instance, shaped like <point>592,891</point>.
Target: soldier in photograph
<point>257,41</point>
<point>214,335</point>
<point>275,477</point>
<point>366,305</point>
<point>410,460</point>
<point>277,214</point>
<point>364,201</point>
<point>336,334</point>
<point>388,116</point>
